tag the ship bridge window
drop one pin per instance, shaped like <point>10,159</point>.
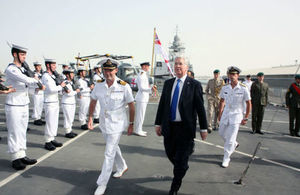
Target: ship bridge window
<point>158,64</point>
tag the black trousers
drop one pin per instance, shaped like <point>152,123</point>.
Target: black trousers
<point>178,146</point>
<point>294,114</point>
<point>257,117</point>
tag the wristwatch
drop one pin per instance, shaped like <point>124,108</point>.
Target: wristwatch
<point>245,119</point>
<point>131,123</point>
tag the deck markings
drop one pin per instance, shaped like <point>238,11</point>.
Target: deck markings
<point>41,159</point>
<point>250,155</point>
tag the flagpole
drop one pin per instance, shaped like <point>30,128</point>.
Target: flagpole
<point>153,51</point>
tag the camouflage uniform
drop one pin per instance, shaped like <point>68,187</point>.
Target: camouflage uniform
<point>212,90</point>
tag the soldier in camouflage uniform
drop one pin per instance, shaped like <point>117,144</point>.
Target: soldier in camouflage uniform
<point>259,97</point>
<point>292,100</point>
<point>212,90</point>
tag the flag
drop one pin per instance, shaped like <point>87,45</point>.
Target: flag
<point>160,50</point>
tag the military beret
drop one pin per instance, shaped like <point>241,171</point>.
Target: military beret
<point>260,74</point>
<point>216,71</point>
<point>233,70</point>
<point>297,76</point>
<point>145,63</point>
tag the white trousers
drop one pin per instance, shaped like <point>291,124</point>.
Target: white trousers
<point>69,114</point>
<point>229,134</point>
<point>112,155</point>
<point>97,110</point>
<point>38,103</point>
<point>17,122</point>
<point>139,116</point>
<point>51,116</point>
<point>84,104</point>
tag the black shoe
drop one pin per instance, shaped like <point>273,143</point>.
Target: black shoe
<point>209,130</point>
<point>216,129</point>
<point>84,127</point>
<point>28,129</point>
<point>259,132</point>
<point>28,161</point>
<point>96,120</point>
<point>172,192</point>
<point>43,122</point>
<point>38,122</point>
<point>18,165</point>
<point>56,144</point>
<point>70,135</point>
<point>297,134</point>
<point>49,146</point>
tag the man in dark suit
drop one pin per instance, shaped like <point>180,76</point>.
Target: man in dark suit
<point>259,99</point>
<point>180,104</point>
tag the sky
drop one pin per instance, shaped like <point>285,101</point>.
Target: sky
<point>216,33</point>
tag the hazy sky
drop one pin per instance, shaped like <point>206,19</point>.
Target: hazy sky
<point>216,33</point>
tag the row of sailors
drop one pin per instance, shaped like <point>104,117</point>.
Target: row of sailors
<point>47,96</point>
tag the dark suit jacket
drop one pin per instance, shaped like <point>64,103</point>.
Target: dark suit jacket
<point>190,105</point>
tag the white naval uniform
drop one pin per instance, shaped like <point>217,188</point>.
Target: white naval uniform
<point>96,114</point>
<point>232,116</point>
<point>16,110</point>
<point>113,121</point>
<point>84,101</point>
<point>68,103</point>
<point>51,105</point>
<point>248,84</point>
<point>38,102</point>
<point>141,98</point>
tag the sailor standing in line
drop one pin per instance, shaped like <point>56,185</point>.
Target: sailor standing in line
<point>51,104</point>
<point>68,102</point>
<point>97,76</point>
<point>292,99</point>
<point>64,67</point>
<point>85,90</point>
<point>233,96</point>
<point>38,98</point>
<point>114,95</point>
<point>16,108</point>
<point>248,83</point>
<point>142,98</point>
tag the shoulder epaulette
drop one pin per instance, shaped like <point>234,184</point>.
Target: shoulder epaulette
<point>242,84</point>
<point>142,73</point>
<point>121,82</point>
<point>100,80</point>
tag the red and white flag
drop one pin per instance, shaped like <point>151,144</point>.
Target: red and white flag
<point>159,50</point>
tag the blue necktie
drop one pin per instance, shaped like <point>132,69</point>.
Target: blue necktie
<point>174,101</point>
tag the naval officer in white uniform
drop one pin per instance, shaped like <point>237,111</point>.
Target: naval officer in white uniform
<point>38,97</point>
<point>85,89</point>
<point>51,104</point>
<point>142,98</point>
<point>68,102</point>
<point>114,95</point>
<point>16,108</point>
<point>97,76</point>
<point>233,96</point>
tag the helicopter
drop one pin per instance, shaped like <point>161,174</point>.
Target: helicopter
<point>126,71</point>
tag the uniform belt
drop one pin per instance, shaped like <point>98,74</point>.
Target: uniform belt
<point>17,105</point>
<point>114,111</point>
